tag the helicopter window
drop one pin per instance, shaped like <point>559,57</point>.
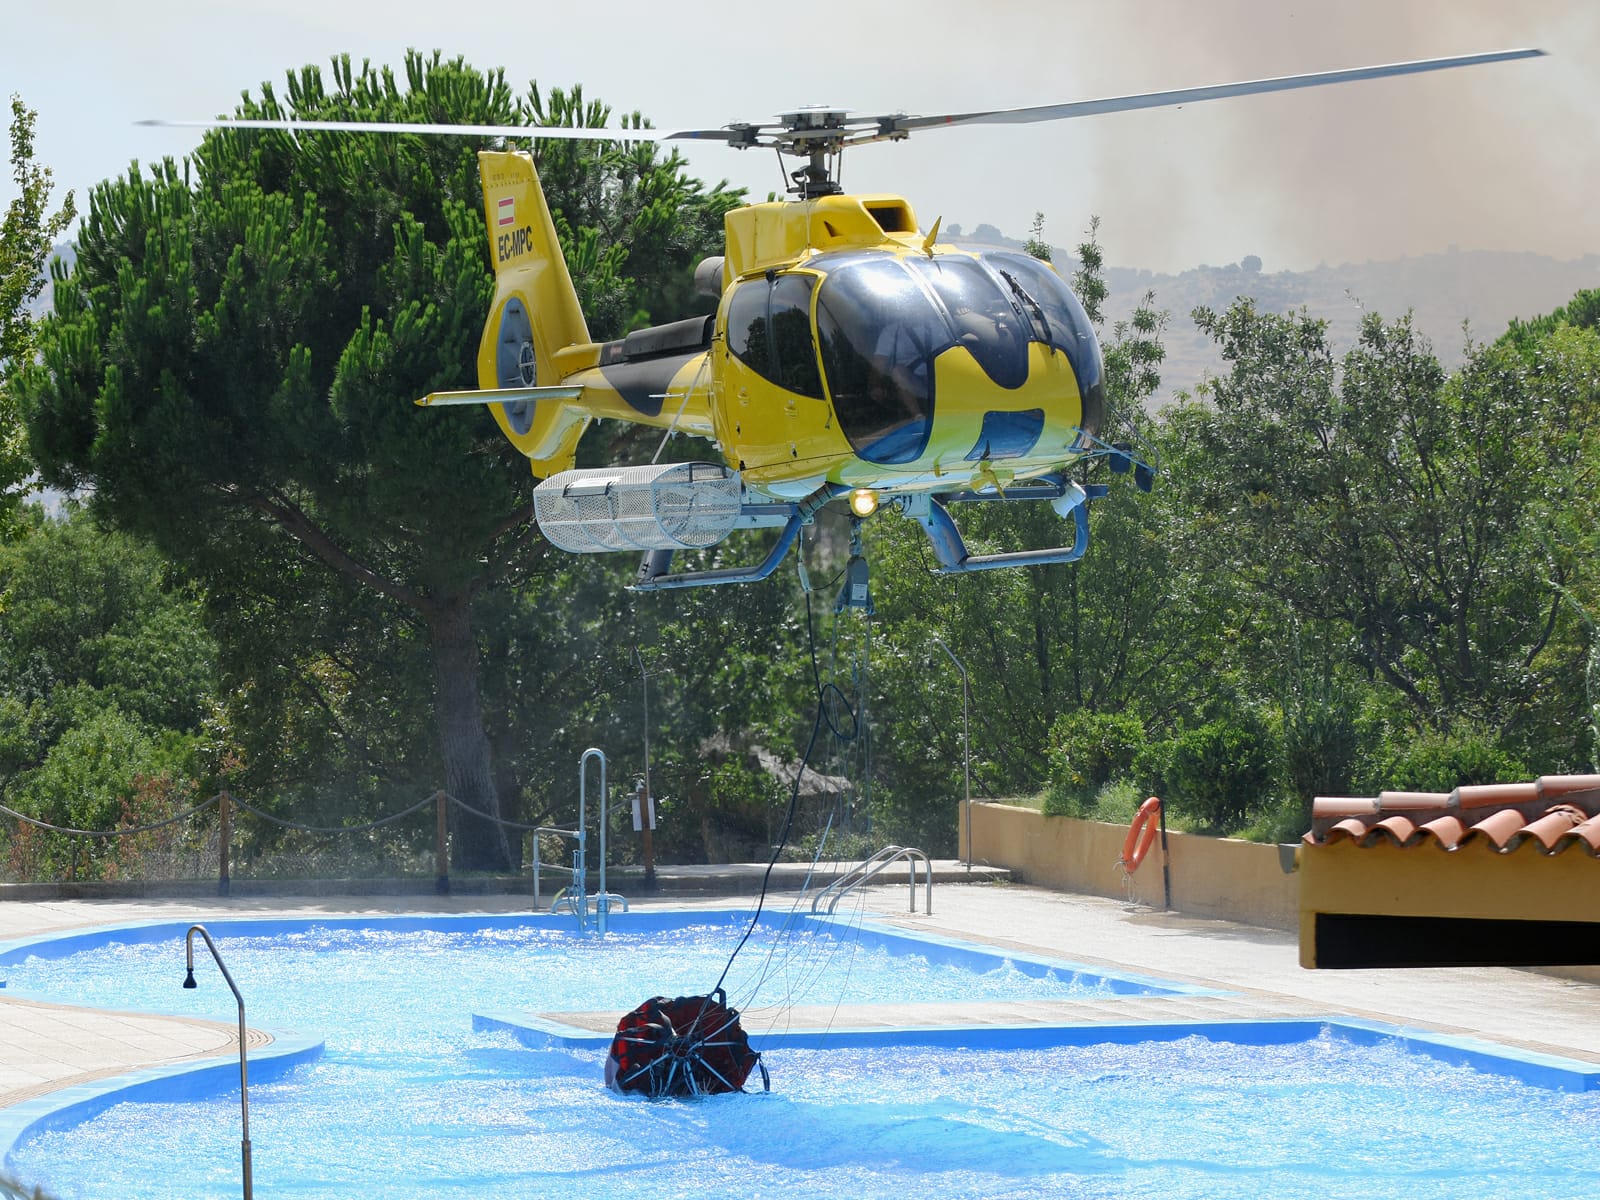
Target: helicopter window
<point>747,323</point>
<point>879,332</point>
<point>769,330</point>
<point>985,316</point>
<point>794,354</point>
<point>1067,326</point>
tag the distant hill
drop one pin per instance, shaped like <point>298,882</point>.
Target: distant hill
<point>1484,290</point>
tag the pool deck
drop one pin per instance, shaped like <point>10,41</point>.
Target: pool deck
<point>44,1047</point>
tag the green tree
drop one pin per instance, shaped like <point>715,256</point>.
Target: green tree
<point>1581,312</point>
<point>107,683</point>
<point>233,363</point>
<point>26,236</point>
<point>1405,505</point>
<point>1046,643</point>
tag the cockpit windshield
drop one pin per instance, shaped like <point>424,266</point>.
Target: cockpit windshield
<point>879,334</point>
<point>882,320</point>
<point>1059,321</point>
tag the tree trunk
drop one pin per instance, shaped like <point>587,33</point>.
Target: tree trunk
<point>476,843</point>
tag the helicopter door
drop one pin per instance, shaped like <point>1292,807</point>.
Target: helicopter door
<point>769,330</point>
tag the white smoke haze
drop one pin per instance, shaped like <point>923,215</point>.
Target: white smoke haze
<point>1500,157</point>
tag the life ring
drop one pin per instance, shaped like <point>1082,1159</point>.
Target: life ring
<point>1141,835</point>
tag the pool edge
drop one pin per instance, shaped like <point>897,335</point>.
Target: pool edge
<point>67,1107</point>
<point>1534,1068</point>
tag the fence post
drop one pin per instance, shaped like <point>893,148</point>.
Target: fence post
<point>224,835</point>
<point>441,847</point>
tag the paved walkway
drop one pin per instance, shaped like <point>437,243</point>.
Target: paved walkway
<point>44,1047</point>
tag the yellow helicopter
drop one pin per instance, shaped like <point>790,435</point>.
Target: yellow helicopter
<point>850,354</point>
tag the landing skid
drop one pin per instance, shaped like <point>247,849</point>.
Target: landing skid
<point>929,511</point>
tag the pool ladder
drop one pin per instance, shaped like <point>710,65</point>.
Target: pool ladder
<point>566,900</point>
<point>575,897</point>
<point>863,872</point>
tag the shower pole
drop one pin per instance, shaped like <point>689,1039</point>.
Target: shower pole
<point>244,1079</point>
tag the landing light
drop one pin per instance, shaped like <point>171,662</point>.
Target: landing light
<point>864,502</point>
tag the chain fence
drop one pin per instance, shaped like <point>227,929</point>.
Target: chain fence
<point>226,837</point>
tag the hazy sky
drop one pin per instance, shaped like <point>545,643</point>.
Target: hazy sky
<point>1502,157</point>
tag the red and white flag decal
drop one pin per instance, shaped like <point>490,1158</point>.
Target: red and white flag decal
<point>507,210</point>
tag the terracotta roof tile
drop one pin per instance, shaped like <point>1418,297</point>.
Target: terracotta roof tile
<point>1448,831</point>
<point>1502,827</point>
<point>1397,827</point>
<point>1554,812</point>
<point>1589,833</point>
<point>1492,795</point>
<point>1393,802</point>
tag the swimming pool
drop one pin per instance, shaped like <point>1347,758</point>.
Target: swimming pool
<point>1290,1110</point>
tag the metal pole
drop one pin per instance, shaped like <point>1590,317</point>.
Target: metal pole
<point>602,903</point>
<point>966,742</point>
<point>244,1074</point>
<point>441,844</point>
<point>581,859</point>
<point>646,830</point>
<point>224,835</point>
<point>1166,860</point>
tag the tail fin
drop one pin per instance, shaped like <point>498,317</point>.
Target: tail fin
<point>534,316</point>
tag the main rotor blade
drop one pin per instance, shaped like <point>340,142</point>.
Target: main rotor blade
<point>530,131</point>
<point>891,126</point>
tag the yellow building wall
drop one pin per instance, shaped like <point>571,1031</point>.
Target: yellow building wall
<point>1473,882</point>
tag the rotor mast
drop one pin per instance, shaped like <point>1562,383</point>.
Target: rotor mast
<point>815,133</point>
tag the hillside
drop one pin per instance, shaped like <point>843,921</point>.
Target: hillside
<point>1482,290</point>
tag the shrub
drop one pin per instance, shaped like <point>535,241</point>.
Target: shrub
<point>1220,774</point>
<point>1285,821</point>
<point>1118,802</point>
<point>1321,741</point>
<point>1433,761</point>
<point>1087,750</point>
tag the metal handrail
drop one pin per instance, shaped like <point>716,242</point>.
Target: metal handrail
<point>579,886</point>
<point>864,871</point>
<point>582,881</point>
<point>551,829</point>
<point>566,899</point>
<point>244,1081</point>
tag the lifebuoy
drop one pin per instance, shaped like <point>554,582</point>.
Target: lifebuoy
<point>1141,835</point>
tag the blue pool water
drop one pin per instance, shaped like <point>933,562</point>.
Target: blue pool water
<point>538,963</point>
<point>408,1100</point>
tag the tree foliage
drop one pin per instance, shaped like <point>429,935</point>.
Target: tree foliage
<point>28,232</point>
<point>107,681</point>
<point>1405,504</point>
<point>1357,570</point>
<point>232,366</point>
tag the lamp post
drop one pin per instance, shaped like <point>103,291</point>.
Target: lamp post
<point>966,742</point>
